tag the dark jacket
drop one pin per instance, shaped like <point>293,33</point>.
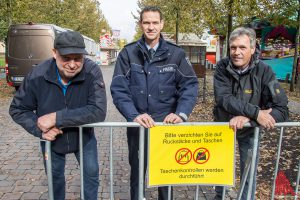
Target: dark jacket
<point>246,93</point>
<point>41,93</point>
<point>166,84</point>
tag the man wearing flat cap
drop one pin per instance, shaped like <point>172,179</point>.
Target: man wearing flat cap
<point>59,94</point>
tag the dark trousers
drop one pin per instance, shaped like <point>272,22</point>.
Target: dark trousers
<point>90,171</point>
<point>245,143</point>
<point>133,147</point>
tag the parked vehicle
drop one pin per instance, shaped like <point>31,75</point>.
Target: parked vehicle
<point>29,44</point>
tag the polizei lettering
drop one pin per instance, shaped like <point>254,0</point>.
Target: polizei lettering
<point>168,69</point>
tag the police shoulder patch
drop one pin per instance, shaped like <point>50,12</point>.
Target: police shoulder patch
<point>131,43</point>
<point>188,61</point>
<point>168,42</point>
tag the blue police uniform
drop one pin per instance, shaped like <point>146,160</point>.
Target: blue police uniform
<point>157,86</point>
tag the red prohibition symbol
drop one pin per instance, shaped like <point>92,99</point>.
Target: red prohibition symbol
<point>201,155</point>
<point>183,156</point>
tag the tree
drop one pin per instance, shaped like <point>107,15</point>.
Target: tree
<point>122,43</point>
<point>80,15</point>
<point>5,17</point>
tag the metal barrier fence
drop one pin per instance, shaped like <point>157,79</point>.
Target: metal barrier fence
<point>248,172</point>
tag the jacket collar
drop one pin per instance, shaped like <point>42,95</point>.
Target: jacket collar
<point>51,74</point>
<point>162,48</point>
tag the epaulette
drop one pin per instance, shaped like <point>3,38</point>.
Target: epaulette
<point>131,43</point>
<point>171,43</point>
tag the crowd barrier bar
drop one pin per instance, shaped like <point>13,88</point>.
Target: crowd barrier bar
<point>249,169</point>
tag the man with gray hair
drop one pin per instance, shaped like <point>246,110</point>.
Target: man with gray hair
<point>246,91</point>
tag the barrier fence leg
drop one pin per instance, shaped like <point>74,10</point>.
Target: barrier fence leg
<point>111,171</point>
<point>81,163</point>
<point>297,182</point>
<point>277,163</point>
<point>49,170</point>
<point>245,174</point>
<point>169,192</point>
<point>197,193</point>
<point>253,163</point>
<point>141,163</point>
<point>223,193</point>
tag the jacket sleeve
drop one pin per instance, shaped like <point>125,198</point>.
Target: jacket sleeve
<point>274,97</point>
<point>23,106</point>
<point>187,86</point>
<point>120,90</point>
<point>224,97</point>
<point>94,111</point>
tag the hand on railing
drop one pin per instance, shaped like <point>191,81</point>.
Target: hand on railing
<point>172,119</point>
<point>238,122</point>
<point>51,134</point>
<point>145,120</point>
<point>265,119</point>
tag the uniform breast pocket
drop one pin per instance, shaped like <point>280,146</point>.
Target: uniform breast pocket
<point>137,75</point>
<point>167,94</point>
<point>166,74</point>
<point>251,95</point>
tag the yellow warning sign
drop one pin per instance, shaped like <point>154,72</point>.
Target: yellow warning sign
<point>191,155</point>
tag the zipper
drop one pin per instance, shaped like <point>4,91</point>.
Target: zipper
<point>66,106</point>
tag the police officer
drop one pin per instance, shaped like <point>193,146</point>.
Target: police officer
<point>152,82</point>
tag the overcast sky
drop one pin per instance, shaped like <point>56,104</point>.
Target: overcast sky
<point>119,17</point>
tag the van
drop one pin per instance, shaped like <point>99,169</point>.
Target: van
<point>27,45</point>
